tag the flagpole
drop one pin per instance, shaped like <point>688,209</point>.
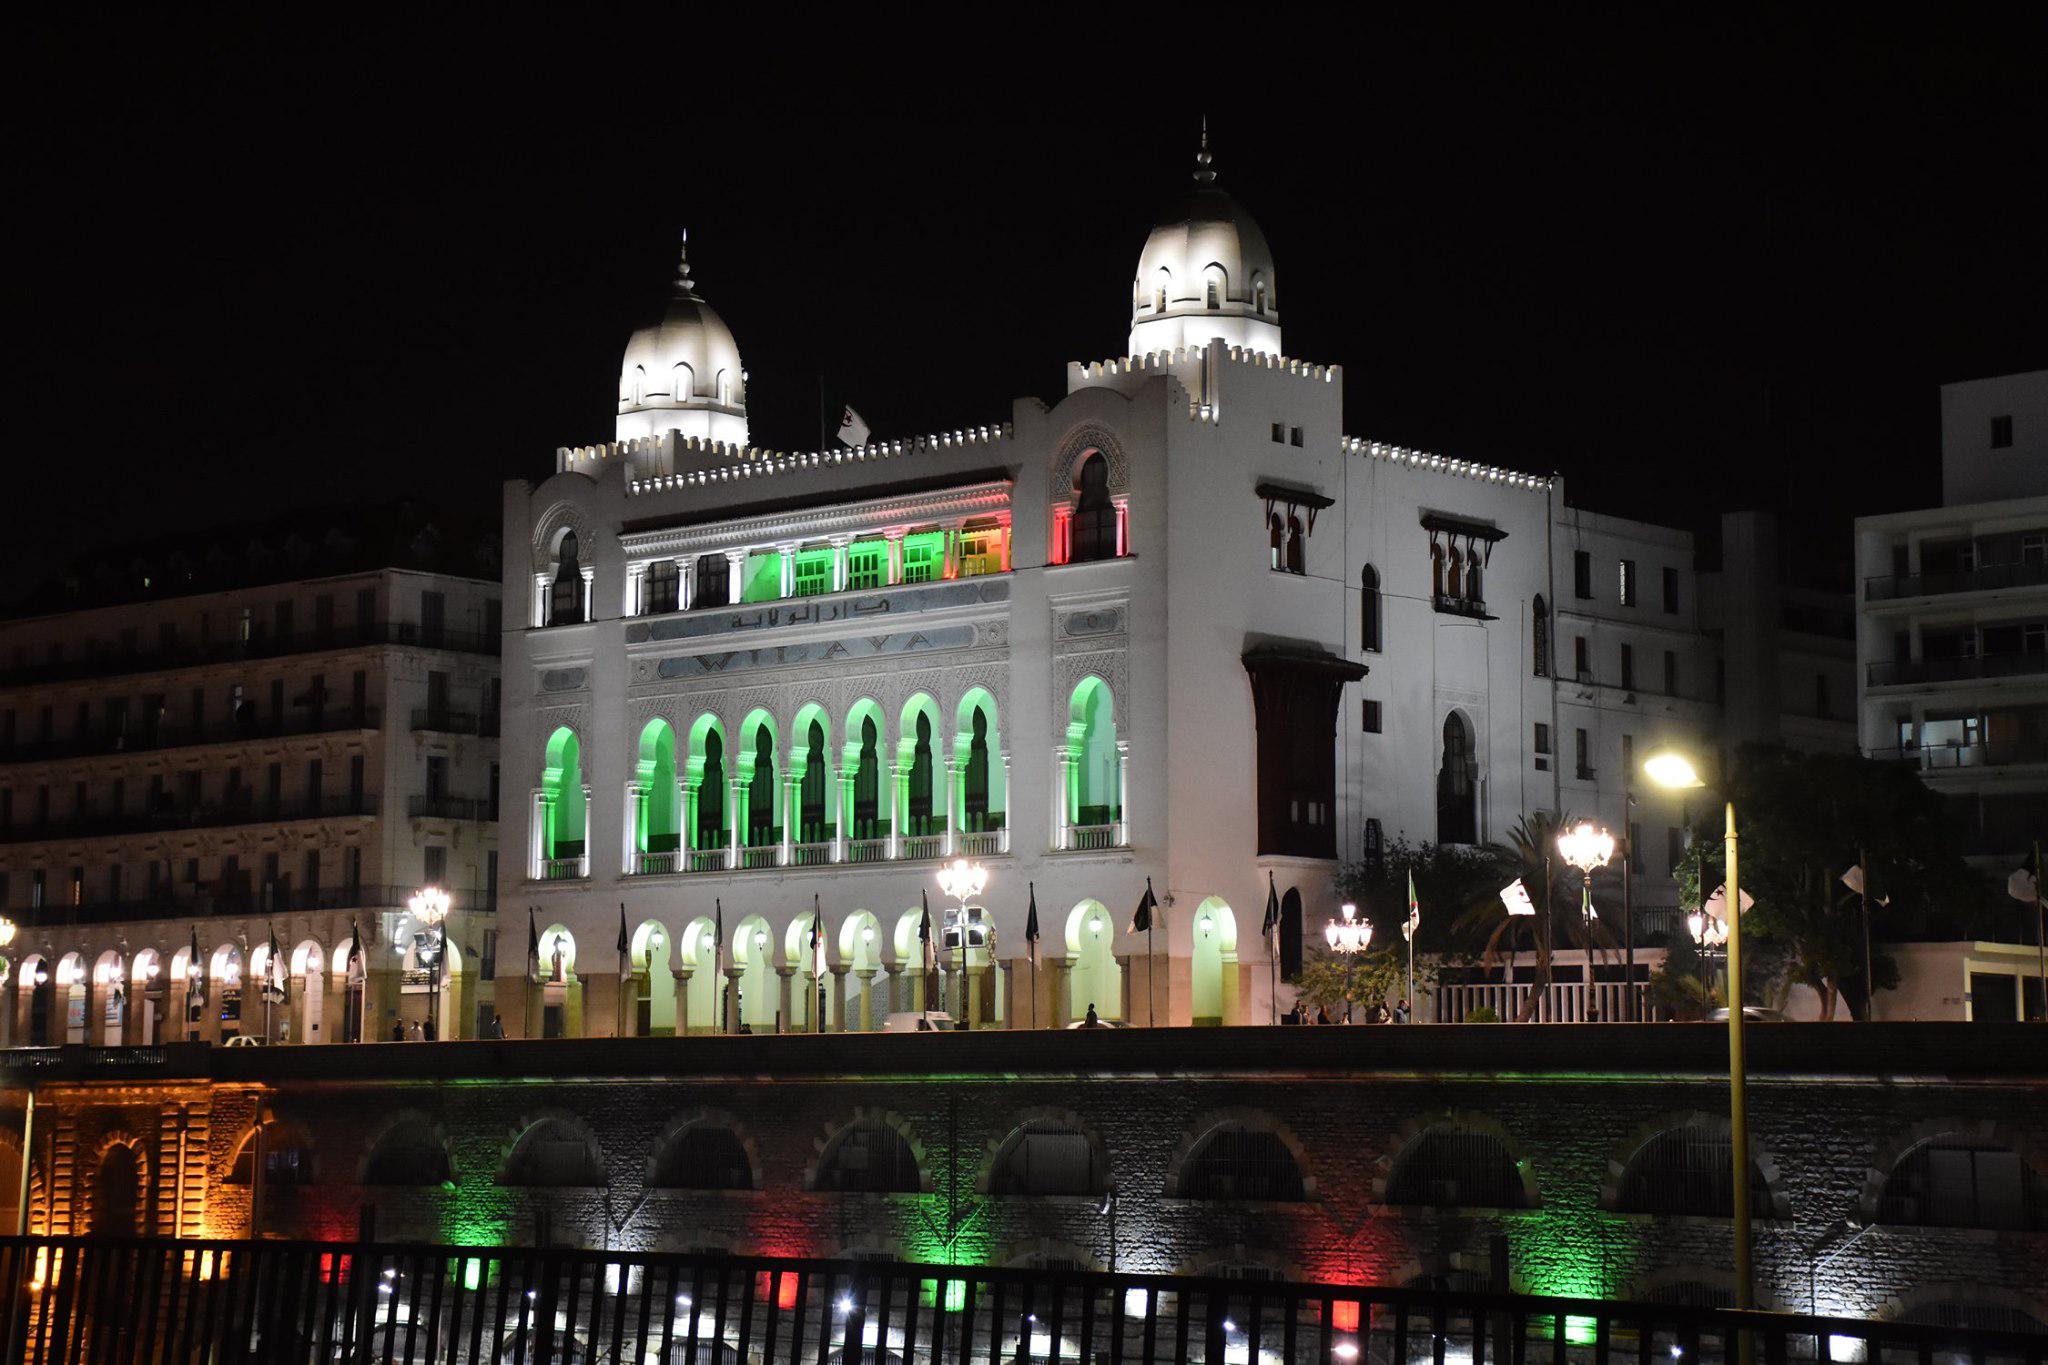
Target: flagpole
<point>2040,931</point>
<point>1869,976</point>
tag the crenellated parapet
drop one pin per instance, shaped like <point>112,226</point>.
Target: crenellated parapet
<point>1444,464</point>
<point>670,461</point>
<point>1163,362</point>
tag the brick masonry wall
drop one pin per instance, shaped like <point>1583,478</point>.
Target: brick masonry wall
<point>1823,1137</point>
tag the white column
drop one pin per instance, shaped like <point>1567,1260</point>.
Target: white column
<point>540,599</point>
<point>789,810</point>
<point>735,575</point>
<point>734,816</point>
<point>1123,526</point>
<point>956,803</point>
<point>635,603</point>
<point>839,544</point>
<point>898,807</point>
<point>839,834</point>
<point>686,581</point>
<point>589,592</point>
<point>894,538</point>
<point>1123,791</point>
<point>787,550</point>
<point>951,566</point>
<point>1062,771</point>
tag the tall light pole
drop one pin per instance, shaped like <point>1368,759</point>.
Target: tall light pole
<point>1669,768</point>
<point>1587,847</point>
<point>1351,937</point>
<point>429,905</point>
<point>962,881</point>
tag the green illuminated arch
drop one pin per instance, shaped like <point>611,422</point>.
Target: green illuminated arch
<point>657,816</point>
<point>563,809</point>
<point>705,785</point>
<point>810,764</point>
<point>760,811</point>
<point>921,785</point>
<point>1094,792</point>
<point>978,756</point>
<point>863,761</point>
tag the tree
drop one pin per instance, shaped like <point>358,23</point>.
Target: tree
<point>1530,854</point>
<point>1339,981</point>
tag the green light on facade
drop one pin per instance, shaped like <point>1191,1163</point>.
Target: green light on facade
<point>955,1294</point>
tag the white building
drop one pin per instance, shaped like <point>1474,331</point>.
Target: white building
<point>1177,628</point>
<point>288,758</point>
<point>1952,634</point>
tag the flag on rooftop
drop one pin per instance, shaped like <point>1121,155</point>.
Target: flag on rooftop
<point>853,429</point>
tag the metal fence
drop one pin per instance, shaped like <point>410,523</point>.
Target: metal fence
<point>116,1301</point>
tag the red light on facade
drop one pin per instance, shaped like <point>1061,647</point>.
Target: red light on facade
<point>1344,1315</point>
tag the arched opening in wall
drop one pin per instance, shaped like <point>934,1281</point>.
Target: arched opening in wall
<point>117,1193</point>
<point>703,1156</point>
<point>864,761</point>
<point>725,388</point>
<point>1457,1165</point>
<point>753,952</point>
<point>1276,543</point>
<point>1297,546</point>
<point>814,816</point>
<point>225,971</point>
<point>552,1154</point>
<point>1457,785</point>
<point>1957,1181</point>
<point>1095,980</point>
<point>1436,574</point>
<point>868,1157</point>
<point>1049,1156</point>
<point>653,981</point>
<point>1162,290</point>
<point>42,998</point>
<point>1290,934</point>
<point>982,796</point>
<point>1539,636</point>
<point>810,989</point>
<point>288,1167</point>
<point>1215,287</point>
<point>705,786</point>
<point>1259,295</point>
<point>921,795</point>
<point>1094,805</point>
<point>1213,969</point>
<point>682,382</point>
<point>658,826</point>
<point>410,1153</point>
<point>1454,576</point>
<point>1369,609</point>
<point>704,986</point>
<point>74,997</point>
<point>1094,528</point>
<point>1974,1315</point>
<point>757,773</point>
<point>1236,1161</point>
<point>565,595</point>
<point>1475,588</point>
<point>918,812</point>
<point>632,386</point>
<point>712,582</point>
<point>1688,1170</point>
<point>860,948</point>
<point>561,817</point>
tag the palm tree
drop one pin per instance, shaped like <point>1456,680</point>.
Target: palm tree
<point>1530,854</point>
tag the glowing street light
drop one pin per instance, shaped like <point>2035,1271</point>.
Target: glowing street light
<point>1350,935</point>
<point>430,906</point>
<point>962,881</point>
<point>1669,767</point>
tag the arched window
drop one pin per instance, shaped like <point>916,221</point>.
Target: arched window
<point>813,814</point>
<point>711,794</point>
<point>1475,593</point>
<point>761,791</point>
<point>409,1154</point>
<point>919,794</point>
<point>1259,294</point>
<point>1687,1170</point>
<point>1049,1156</point>
<point>1539,635</point>
<point>1214,300</point>
<point>682,382</point>
<point>1369,609</point>
<point>704,1156</point>
<point>867,784</point>
<point>552,1153</point>
<point>1094,529</point>
<point>1436,574</point>
<point>565,598</point>
<point>1276,543</point>
<point>117,1194</point>
<point>1233,1161</point>
<point>1297,546</point>
<point>1964,1182</point>
<point>974,779</point>
<point>562,807</point>
<point>1454,1165</point>
<point>714,579</point>
<point>868,1157</point>
<point>1457,785</point>
<point>1455,579</point>
<point>660,820</point>
<point>1094,795</point>
<point>663,582</point>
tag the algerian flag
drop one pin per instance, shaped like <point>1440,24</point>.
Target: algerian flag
<point>1141,918</point>
<point>1415,910</point>
<point>853,430</point>
<point>2023,885</point>
<point>1717,904</point>
<point>1516,897</point>
<point>1853,879</point>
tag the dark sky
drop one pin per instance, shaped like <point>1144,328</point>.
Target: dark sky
<point>1689,268</point>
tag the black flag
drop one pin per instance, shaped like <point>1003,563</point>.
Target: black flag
<point>924,932</point>
<point>1031,921</point>
<point>195,973</point>
<point>532,947</point>
<point>1272,920</point>
<point>625,944</point>
<point>1141,921</point>
<point>718,931</point>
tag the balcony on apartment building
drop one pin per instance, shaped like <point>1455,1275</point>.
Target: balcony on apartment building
<point>442,720</point>
<point>179,815</point>
<point>450,808</point>
<point>823,850</point>
<point>278,898</point>
<point>125,740</point>
<point>1968,668</point>
<point>101,662</point>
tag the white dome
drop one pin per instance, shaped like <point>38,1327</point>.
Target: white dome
<point>1205,272</point>
<point>683,371</point>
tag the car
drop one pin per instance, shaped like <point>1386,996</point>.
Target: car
<point>1752,1014</point>
<point>243,1040</point>
<point>931,1021</point>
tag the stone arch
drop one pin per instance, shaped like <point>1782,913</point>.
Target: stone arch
<point>760,810</point>
<point>1886,1161</point>
<point>1621,1161</point>
<point>1243,1118</point>
<point>1406,1143</point>
<point>1212,969</point>
<point>1954,1294</point>
<point>811,773</point>
<point>1233,1260</point>
<point>674,1140</point>
<point>827,1144</point>
<point>864,760</point>
<point>408,1128</point>
<point>657,809</point>
<point>1457,780</point>
<point>549,528</point>
<point>1043,1253</point>
<point>753,952</point>
<point>1095,977</point>
<point>707,782</point>
<point>1216,286</point>
<point>555,936</point>
<point>1094,792</point>
<point>107,1206</point>
<point>997,1150</point>
<point>1089,438</point>
<point>279,1134</point>
<point>563,814</point>
<point>977,753</point>
<point>920,758</point>
<point>539,1124</point>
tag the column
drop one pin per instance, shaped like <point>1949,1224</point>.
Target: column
<point>894,537</point>
<point>735,575</point>
<point>790,811</point>
<point>734,819</point>
<point>686,582</point>
<point>839,544</point>
<point>897,806</point>
<point>682,976</point>
<point>839,971</point>
<point>839,834</point>
<point>1063,767</point>
<point>635,603</point>
<point>866,977</point>
<point>1003,540</point>
<point>1060,1004</point>
<point>952,561</point>
<point>785,975</point>
<point>540,599</point>
<point>786,550</point>
<point>729,1008</point>
<point>1123,526</point>
<point>1123,791</point>
<point>589,592</point>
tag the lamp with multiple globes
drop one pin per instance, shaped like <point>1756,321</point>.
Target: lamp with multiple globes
<point>429,906</point>
<point>1349,935</point>
<point>962,881</point>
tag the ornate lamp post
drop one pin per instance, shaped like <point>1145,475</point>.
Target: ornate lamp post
<point>1670,768</point>
<point>429,905</point>
<point>1708,934</point>
<point>1351,937</point>
<point>962,881</point>
<point>1587,847</point>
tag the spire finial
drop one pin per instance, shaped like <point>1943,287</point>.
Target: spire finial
<point>684,284</point>
<point>1203,175</point>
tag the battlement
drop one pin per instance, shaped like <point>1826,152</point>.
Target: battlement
<point>654,464</point>
<point>1159,362</point>
<point>1444,464</point>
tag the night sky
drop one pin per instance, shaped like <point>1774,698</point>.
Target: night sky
<point>1691,269</point>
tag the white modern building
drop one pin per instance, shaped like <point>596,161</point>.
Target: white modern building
<point>1177,629</point>
<point>287,760</point>
<point>1952,633</point>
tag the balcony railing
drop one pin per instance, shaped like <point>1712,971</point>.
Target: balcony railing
<point>916,847</point>
<point>565,869</point>
<point>261,644</point>
<point>1990,577</point>
<point>810,855</point>
<point>824,853</point>
<point>128,741</point>
<point>981,843</point>
<point>449,808</point>
<point>1095,836</point>
<point>441,720</point>
<point>277,899</point>
<point>1896,672</point>
<point>761,855</point>
<point>243,810</point>
<point>709,859</point>
<point>656,864</point>
<point>1949,757</point>
<point>867,850</point>
<point>1565,1002</point>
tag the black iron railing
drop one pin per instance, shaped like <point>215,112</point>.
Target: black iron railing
<point>261,644</point>
<point>80,1299</point>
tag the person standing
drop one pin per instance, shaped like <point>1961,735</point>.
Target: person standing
<point>1402,1014</point>
<point>1093,1020</point>
<point>398,1030</point>
<point>497,1029</point>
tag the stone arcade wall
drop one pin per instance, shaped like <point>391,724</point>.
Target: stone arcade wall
<point>1830,1113</point>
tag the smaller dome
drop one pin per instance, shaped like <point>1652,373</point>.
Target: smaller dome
<point>682,371</point>
<point>1205,272</point>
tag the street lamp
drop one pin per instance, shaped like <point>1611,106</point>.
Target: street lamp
<point>1668,767</point>
<point>1351,937</point>
<point>1587,847</point>
<point>962,881</point>
<point>429,906</point>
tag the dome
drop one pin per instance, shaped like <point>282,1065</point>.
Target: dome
<point>1205,272</point>
<point>682,371</point>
